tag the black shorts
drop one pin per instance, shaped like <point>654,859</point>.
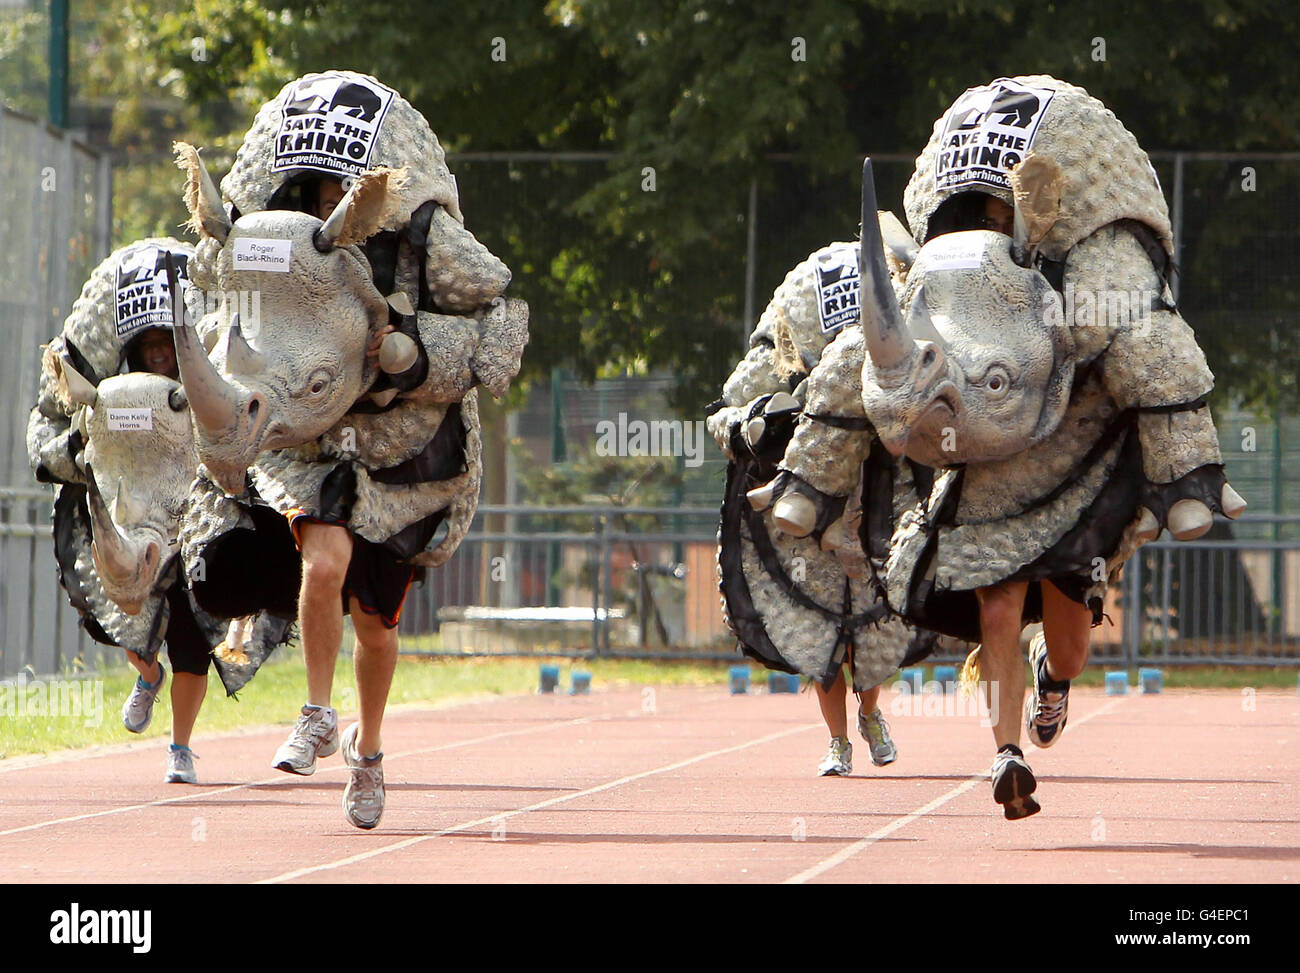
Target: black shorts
<point>187,649</point>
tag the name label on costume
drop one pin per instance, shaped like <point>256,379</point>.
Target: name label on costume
<point>252,253</point>
<point>130,420</point>
<point>987,133</point>
<point>839,288</point>
<point>955,251</point>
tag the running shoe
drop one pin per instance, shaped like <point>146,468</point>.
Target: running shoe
<point>137,711</point>
<point>363,799</point>
<point>180,765</point>
<point>875,731</point>
<point>1013,783</point>
<point>1045,710</point>
<point>316,734</point>
<point>838,760</point>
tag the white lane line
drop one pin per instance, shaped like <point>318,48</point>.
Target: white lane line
<point>540,805</point>
<point>280,778</point>
<point>845,854</point>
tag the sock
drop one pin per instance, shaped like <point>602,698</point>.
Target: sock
<point>179,746</point>
<point>1012,749</point>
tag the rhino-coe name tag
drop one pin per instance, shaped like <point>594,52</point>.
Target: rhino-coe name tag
<point>251,253</point>
<point>955,251</point>
<point>130,420</point>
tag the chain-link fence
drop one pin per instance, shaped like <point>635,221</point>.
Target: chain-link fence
<point>55,221</point>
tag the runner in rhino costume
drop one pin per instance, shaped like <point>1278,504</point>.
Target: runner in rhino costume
<point>117,442</point>
<point>1050,374</point>
<point>791,602</point>
<point>350,405</point>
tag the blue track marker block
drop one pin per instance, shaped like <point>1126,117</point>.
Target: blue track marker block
<point>946,676</point>
<point>911,680</point>
<point>782,682</point>
<point>580,683</point>
<point>739,680</point>
<point>1116,683</point>
<point>550,679</point>
<point>1150,680</point>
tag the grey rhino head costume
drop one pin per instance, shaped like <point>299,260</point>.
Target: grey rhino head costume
<point>132,423</point>
<point>1070,426</point>
<point>293,395</point>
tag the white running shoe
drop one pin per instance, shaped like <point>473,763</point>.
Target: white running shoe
<point>838,760</point>
<point>1048,705</point>
<point>180,765</point>
<point>363,798</point>
<point>316,734</point>
<point>875,731</point>
<point>137,711</point>
<point>1014,783</point>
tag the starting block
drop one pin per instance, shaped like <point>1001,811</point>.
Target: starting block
<point>911,680</point>
<point>782,682</point>
<point>581,683</point>
<point>946,676</point>
<point>550,679</point>
<point>1116,683</point>
<point>1150,680</point>
<point>739,679</point>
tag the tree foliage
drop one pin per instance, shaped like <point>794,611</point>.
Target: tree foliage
<point>705,94</point>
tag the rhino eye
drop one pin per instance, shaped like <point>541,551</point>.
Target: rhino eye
<point>319,381</point>
<point>997,381</point>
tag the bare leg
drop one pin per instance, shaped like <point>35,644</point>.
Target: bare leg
<point>831,702</point>
<point>868,700</point>
<point>149,673</point>
<point>374,660</point>
<point>326,550</point>
<point>1067,626</point>
<point>1001,663</point>
<point>188,691</point>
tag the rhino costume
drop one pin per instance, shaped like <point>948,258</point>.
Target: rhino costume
<point>1072,426</point>
<point>118,444</point>
<point>790,602</point>
<point>290,403</point>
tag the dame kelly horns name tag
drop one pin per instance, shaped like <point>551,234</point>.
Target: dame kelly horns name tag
<point>251,253</point>
<point>130,420</point>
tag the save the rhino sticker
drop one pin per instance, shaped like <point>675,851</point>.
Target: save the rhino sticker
<point>141,297</point>
<point>255,253</point>
<point>330,124</point>
<point>130,420</point>
<point>987,132</point>
<point>839,288</point>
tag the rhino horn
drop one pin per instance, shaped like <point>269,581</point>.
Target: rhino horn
<point>213,401</point>
<point>888,342</point>
<point>80,390</point>
<point>128,508</point>
<point>240,355</point>
<point>115,556</point>
<point>207,215</point>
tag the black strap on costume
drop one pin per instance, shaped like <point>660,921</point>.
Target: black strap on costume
<point>1168,409</point>
<point>856,423</point>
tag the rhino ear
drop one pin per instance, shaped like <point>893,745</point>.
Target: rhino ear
<point>1036,185</point>
<point>73,385</point>
<point>207,215</point>
<point>367,207</point>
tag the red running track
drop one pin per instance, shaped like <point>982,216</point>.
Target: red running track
<point>687,785</point>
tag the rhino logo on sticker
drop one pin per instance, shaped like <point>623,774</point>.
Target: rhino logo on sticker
<point>330,124</point>
<point>839,288</point>
<point>987,132</point>
<point>142,298</point>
